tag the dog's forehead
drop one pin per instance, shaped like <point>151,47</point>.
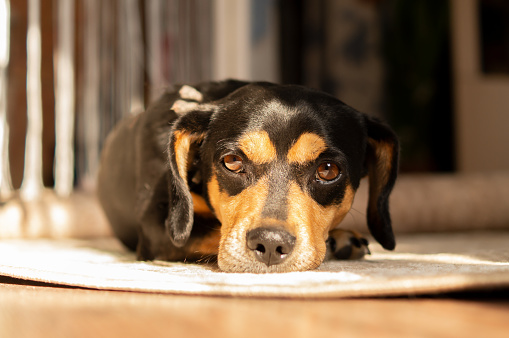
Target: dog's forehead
<point>277,129</point>
<point>287,121</point>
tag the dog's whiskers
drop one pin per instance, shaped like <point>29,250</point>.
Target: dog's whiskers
<point>206,259</point>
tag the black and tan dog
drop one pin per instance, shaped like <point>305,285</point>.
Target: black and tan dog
<point>256,173</point>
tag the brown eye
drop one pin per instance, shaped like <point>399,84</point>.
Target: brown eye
<point>327,171</point>
<point>233,163</point>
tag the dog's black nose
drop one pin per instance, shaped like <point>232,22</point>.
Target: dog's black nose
<point>270,245</point>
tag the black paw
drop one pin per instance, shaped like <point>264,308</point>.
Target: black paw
<point>343,244</point>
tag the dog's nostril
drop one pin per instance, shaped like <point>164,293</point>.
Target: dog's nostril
<point>260,248</point>
<point>270,246</point>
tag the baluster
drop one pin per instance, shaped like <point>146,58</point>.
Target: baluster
<point>90,113</point>
<point>5,173</point>
<point>64,98</point>
<point>32,184</point>
<point>154,30</point>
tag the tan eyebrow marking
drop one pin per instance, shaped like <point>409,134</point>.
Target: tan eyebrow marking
<point>258,147</point>
<point>307,148</point>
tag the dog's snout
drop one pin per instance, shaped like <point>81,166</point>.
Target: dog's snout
<point>270,245</point>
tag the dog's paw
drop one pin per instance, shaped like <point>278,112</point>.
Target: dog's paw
<point>344,244</point>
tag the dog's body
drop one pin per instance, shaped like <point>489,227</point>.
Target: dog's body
<point>255,173</point>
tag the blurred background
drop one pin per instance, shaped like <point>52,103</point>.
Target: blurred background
<point>437,71</point>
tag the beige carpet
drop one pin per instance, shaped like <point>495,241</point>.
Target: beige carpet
<point>421,264</point>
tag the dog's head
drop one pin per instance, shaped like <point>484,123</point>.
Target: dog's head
<point>280,166</point>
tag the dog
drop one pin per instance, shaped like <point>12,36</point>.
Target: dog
<point>255,174</point>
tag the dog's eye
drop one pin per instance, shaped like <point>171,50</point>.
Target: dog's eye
<point>233,163</point>
<point>327,172</point>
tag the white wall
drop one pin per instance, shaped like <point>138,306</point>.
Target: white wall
<point>238,53</point>
<point>481,101</point>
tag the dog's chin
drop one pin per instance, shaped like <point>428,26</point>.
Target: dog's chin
<point>248,264</point>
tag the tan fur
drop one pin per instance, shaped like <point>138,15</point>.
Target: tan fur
<point>308,221</point>
<point>383,152</point>
<point>313,222</point>
<point>235,210</point>
<point>258,147</point>
<point>237,214</point>
<point>206,246</point>
<point>379,169</point>
<point>183,141</point>
<point>306,149</point>
<point>200,207</point>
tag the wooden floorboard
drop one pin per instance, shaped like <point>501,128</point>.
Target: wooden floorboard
<point>38,310</point>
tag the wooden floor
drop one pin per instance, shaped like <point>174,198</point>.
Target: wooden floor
<point>38,310</point>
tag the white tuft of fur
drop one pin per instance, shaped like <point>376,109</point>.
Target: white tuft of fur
<point>190,93</point>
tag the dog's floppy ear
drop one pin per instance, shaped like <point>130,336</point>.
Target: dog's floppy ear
<point>382,156</point>
<point>186,135</point>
